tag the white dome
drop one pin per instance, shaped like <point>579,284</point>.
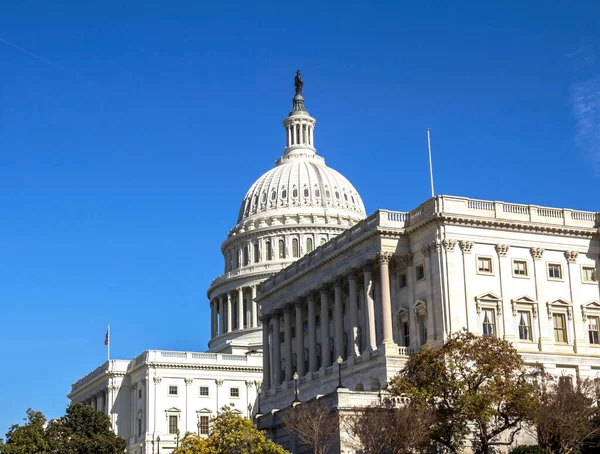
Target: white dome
<point>302,185</point>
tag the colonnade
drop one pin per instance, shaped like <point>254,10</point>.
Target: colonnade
<point>331,343</point>
<point>97,401</point>
<point>229,313</point>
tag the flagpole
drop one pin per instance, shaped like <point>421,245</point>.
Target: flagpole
<point>109,342</point>
<point>430,164</point>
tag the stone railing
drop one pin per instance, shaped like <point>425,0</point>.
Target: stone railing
<point>191,358</point>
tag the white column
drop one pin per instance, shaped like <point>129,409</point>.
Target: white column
<point>229,312</point>
<point>299,339</point>
<point>386,302</point>
<point>289,136</point>
<point>325,352</point>
<point>294,139</point>
<point>287,342</point>
<point>240,308</point>
<point>266,353</point>
<point>312,335</point>
<point>338,320</point>
<point>254,307</point>
<point>213,313</point>
<point>276,355</point>
<point>353,304</point>
<point>371,339</point>
<point>221,314</point>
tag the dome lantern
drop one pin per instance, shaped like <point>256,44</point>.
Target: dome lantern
<point>299,125</point>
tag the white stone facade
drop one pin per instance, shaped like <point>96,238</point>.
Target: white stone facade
<point>159,392</point>
<point>399,280</point>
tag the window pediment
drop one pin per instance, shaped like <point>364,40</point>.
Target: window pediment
<point>488,300</point>
<point>592,307</point>
<point>524,302</point>
<point>560,305</point>
<point>203,410</point>
<point>420,307</point>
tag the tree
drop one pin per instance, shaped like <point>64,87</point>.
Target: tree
<point>389,428</point>
<point>81,431</point>
<point>229,433</point>
<point>565,416</point>
<point>470,383</point>
<point>314,424</point>
<point>28,438</point>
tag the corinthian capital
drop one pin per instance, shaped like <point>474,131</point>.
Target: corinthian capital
<point>466,246</point>
<point>537,253</point>
<point>502,249</point>
<point>449,244</point>
<point>571,256</point>
<point>384,257</point>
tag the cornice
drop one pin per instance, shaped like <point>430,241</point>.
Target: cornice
<point>210,367</point>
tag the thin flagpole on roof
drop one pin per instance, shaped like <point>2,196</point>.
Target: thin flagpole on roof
<point>107,342</point>
<point>430,163</point>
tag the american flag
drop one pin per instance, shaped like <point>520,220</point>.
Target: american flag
<point>106,339</point>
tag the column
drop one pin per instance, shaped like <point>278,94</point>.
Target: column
<point>213,313</point>
<point>299,339</point>
<point>576,324</point>
<point>339,319</point>
<point>240,308</point>
<point>287,342</point>
<point>410,289</point>
<point>353,304</point>
<point>312,335</point>
<point>386,302</point>
<point>504,311</point>
<point>371,340</point>
<point>276,351</point>
<point>100,403</point>
<point>229,312</point>
<point>254,307</point>
<point>221,314</point>
<point>545,342</point>
<point>294,139</point>
<point>325,352</point>
<point>266,353</point>
<point>289,137</point>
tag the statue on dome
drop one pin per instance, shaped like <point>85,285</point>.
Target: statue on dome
<point>298,83</point>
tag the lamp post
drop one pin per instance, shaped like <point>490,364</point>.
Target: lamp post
<point>339,362</point>
<point>178,438</point>
<point>152,444</point>
<point>142,448</point>
<point>198,426</point>
<point>259,391</point>
<point>296,400</point>
<point>158,444</point>
<point>249,410</point>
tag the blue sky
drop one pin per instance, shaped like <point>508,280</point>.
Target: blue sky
<point>130,132</point>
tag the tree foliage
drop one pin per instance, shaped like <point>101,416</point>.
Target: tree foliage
<point>390,428</point>
<point>470,384</point>
<point>229,433</point>
<point>314,424</point>
<point>565,416</point>
<point>81,430</point>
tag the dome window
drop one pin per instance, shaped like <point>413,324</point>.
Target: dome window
<point>281,249</point>
<point>337,195</point>
<point>306,193</point>
<point>345,197</point>
<point>317,193</point>
<point>269,250</point>
<point>309,245</point>
<point>352,197</point>
<point>273,194</point>
<point>256,253</point>
<point>295,192</point>
<point>327,193</point>
<point>284,193</point>
<point>295,248</point>
<point>264,197</point>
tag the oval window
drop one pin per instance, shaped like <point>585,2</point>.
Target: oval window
<point>295,193</point>
<point>264,197</point>
<point>284,193</point>
<point>327,193</point>
<point>317,192</point>
<point>337,195</point>
<point>273,195</point>
<point>305,192</point>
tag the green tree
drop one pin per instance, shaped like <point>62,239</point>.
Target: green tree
<point>472,385</point>
<point>81,431</point>
<point>29,438</point>
<point>229,433</point>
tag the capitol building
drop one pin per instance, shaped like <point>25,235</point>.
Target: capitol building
<point>313,288</point>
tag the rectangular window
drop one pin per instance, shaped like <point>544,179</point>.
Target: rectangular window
<point>560,328</point>
<point>524,318</point>
<point>234,392</point>
<point>488,327</point>
<point>204,390</point>
<point>593,329</point>
<point>484,265</point>
<point>423,329</point>
<point>139,393</point>
<point>172,390</point>
<point>173,424</point>
<point>420,269</point>
<point>589,274</point>
<point>406,332</point>
<point>554,271</point>
<point>203,424</point>
<point>403,281</point>
<point>139,428</point>
<point>520,268</point>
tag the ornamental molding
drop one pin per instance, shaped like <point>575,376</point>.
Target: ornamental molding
<point>593,306</point>
<point>219,382</point>
<point>157,380</point>
<point>466,246</point>
<point>502,249</point>
<point>384,257</point>
<point>488,300</point>
<point>559,306</point>
<point>449,244</point>
<point>188,381</point>
<point>537,253</point>
<point>435,246</point>
<point>571,256</point>
<point>425,250</point>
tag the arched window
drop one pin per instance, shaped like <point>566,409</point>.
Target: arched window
<point>269,250</point>
<point>323,241</point>
<point>305,191</point>
<point>245,258</point>
<point>273,194</point>
<point>295,248</point>
<point>295,192</point>
<point>281,247</point>
<point>256,253</point>
<point>317,192</point>
<point>284,193</point>
<point>309,245</point>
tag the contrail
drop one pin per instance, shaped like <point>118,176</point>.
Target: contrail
<point>31,54</point>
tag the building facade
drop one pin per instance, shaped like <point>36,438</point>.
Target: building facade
<point>400,280</point>
<point>154,399</point>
